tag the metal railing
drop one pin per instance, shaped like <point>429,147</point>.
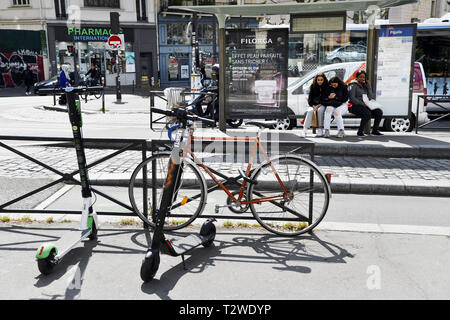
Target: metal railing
<point>160,95</point>
<point>436,100</point>
<point>121,145</point>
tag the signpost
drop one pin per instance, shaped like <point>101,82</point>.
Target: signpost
<point>395,68</point>
<point>116,42</point>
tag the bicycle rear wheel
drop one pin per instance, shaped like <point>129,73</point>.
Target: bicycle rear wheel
<point>305,183</point>
<point>189,197</point>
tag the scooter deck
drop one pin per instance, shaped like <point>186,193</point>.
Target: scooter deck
<point>183,246</point>
<point>69,241</point>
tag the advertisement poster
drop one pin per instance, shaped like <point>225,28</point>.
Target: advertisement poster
<point>394,69</point>
<point>130,62</point>
<point>173,68</point>
<point>256,73</point>
<point>184,72</point>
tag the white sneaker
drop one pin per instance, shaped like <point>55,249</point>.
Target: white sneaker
<point>327,133</point>
<point>303,133</point>
<point>340,133</point>
<point>319,133</point>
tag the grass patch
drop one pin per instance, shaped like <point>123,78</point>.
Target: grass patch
<point>228,224</point>
<point>128,222</point>
<point>295,226</point>
<point>5,219</point>
<point>176,222</point>
<point>66,221</point>
<point>50,220</point>
<point>243,224</point>
<point>25,219</point>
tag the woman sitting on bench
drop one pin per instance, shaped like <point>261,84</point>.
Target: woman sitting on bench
<point>358,88</point>
<point>336,104</point>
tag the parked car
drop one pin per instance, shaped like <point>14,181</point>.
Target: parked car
<point>53,83</point>
<point>348,53</point>
<point>298,95</point>
<point>46,84</point>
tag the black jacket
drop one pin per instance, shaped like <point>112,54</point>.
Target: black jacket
<point>356,91</point>
<point>28,76</point>
<point>340,98</point>
<point>317,95</point>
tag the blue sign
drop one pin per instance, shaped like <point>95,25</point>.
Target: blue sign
<point>396,32</point>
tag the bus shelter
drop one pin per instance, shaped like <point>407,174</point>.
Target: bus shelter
<point>322,7</point>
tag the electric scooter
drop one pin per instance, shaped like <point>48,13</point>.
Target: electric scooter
<point>160,244</point>
<point>48,254</point>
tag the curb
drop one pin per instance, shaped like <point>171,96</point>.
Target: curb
<point>420,152</point>
<point>432,188</point>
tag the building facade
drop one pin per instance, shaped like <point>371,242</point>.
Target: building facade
<point>79,29</point>
<point>419,12</point>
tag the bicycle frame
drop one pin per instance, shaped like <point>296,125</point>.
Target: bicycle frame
<point>256,144</point>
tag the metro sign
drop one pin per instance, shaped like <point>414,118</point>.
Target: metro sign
<point>116,42</point>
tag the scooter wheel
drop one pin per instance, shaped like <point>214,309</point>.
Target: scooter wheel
<point>149,266</point>
<point>46,265</point>
<point>208,230</point>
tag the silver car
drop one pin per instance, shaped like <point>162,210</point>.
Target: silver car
<point>348,53</point>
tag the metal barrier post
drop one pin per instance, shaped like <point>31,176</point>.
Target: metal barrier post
<point>417,114</point>
<point>103,100</point>
<point>144,182</point>
<point>152,104</point>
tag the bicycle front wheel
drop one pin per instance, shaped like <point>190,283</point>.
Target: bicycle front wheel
<point>145,195</point>
<point>304,205</point>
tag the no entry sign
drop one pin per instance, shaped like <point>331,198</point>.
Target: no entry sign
<point>116,42</point>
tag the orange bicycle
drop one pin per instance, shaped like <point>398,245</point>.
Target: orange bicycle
<point>287,194</point>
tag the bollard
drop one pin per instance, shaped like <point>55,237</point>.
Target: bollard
<point>103,100</point>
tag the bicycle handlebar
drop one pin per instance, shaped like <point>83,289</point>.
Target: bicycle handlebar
<point>182,115</point>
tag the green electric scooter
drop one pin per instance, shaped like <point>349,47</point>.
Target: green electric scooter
<point>50,254</point>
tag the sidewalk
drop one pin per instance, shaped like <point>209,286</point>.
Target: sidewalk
<point>241,264</point>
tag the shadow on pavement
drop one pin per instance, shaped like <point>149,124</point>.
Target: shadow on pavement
<point>268,249</point>
<point>282,254</point>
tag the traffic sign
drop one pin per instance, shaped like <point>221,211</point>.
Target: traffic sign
<point>116,42</point>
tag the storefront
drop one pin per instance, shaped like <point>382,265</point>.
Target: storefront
<point>89,41</point>
<point>20,49</point>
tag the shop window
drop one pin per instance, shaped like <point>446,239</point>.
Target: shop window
<point>178,33</point>
<point>205,33</point>
<point>102,3</point>
<point>110,59</point>
<point>19,3</point>
<point>178,66</point>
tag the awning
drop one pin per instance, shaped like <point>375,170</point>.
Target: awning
<point>293,7</point>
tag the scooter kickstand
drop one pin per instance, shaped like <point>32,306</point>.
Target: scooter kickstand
<point>184,263</point>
